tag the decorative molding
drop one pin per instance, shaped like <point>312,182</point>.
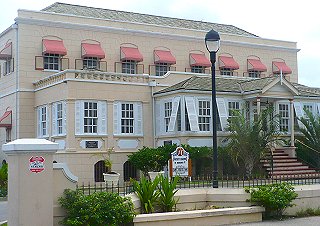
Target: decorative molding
<point>128,144</point>
<point>200,142</point>
<point>66,171</point>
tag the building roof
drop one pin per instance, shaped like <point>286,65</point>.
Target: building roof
<point>91,12</point>
<point>234,85</point>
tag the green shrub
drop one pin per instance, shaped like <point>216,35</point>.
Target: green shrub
<point>274,197</point>
<point>4,180</point>
<point>147,193</point>
<point>308,212</point>
<point>97,209</point>
<point>167,191</point>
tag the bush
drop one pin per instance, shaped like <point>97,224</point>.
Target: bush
<point>167,191</point>
<point>97,209</point>
<point>4,180</point>
<point>274,197</point>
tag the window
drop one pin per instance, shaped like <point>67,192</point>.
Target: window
<point>127,118</point>
<point>99,169</point>
<point>129,67</point>
<point>162,69</point>
<point>233,106</point>
<point>284,117</point>
<point>254,74</point>
<point>226,71</point>
<point>51,61</point>
<point>197,69</point>
<point>42,121</point>
<point>307,107</point>
<point>7,67</point>
<point>90,120</point>
<point>58,118</point>
<point>204,115</point>
<point>90,63</point>
<point>167,113</point>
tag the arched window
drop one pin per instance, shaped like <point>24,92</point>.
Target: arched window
<point>99,170</point>
<point>129,171</point>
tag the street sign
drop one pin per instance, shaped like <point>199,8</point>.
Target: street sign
<point>36,164</point>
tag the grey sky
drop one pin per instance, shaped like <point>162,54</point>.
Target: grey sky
<point>297,21</point>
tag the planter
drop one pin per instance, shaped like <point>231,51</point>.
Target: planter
<point>111,178</point>
<point>153,175</point>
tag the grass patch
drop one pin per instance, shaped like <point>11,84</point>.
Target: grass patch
<point>308,212</point>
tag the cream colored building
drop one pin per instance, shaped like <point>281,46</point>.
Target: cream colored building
<point>94,79</point>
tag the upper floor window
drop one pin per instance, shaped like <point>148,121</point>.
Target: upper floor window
<point>254,74</point>
<point>6,56</point>
<point>129,67</point>
<point>198,69</point>
<point>204,115</point>
<point>51,61</point>
<point>163,59</point>
<point>226,71</point>
<point>7,67</point>
<point>255,67</point>
<point>58,118</point>
<point>127,118</point>
<point>42,121</point>
<point>198,62</point>
<point>227,65</point>
<point>162,69</point>
<point>52,52</point>
<point>90,63</point>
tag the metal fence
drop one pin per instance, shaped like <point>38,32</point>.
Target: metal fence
<point>225,181</point>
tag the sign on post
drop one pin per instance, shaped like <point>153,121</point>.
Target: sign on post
<point>36,164</point>
<point>180,163</point>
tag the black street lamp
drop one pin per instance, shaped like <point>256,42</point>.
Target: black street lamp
<point>212,41</point>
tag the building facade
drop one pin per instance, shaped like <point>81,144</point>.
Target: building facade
<point>97,79</point>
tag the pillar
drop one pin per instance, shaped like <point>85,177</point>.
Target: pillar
<point>258,105</point>
<point>291,123</point>
<point>30,185</point>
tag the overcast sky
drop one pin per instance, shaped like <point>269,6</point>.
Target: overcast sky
<point>297,21</point>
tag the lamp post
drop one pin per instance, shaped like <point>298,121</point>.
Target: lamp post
<point>212,41</point>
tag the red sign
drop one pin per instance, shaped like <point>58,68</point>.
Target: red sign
<point>36,164</point>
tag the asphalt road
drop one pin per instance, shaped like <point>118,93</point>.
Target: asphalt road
<point>307,221</point>
<point>3,211</point>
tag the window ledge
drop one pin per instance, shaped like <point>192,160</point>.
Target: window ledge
<point>128,135</point>
<point>91,135</point>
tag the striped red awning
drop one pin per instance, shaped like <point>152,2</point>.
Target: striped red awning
<point>53,47</point>
<point>6,119</point>
<point>199,60</point>
<point>228,62</point>
<point>131,53</point>
<point>256,65</point>
<point>279,67</point>
<point>92,50</point>
<point>6,52</point>
<point>164,56</point>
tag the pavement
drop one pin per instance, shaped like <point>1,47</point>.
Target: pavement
<point>3,210</point>
<point>305,221</point>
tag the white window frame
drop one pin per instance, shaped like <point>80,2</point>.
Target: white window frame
<point>52,62</point>
<point>43,121</point>
<point>167,114</point>
<point>118,118</point>
<point>236,106</point>
<point>127,122</point>
<point>129,67</point>
<point>161,68</point>
<point>204,114</point>
<point>198,69</point>
<point>284,123</point>
<point>59,118</point>
<point>90,63</point>
<point>101,118</point>
<point>254,74</point>
<point>226,71</point>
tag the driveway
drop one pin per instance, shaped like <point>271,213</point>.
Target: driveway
<point>307,221</point>
<point>3,210</point>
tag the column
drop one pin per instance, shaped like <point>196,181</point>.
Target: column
<point>258,105</point>
<point>30,185</point>
<point>292,123</point>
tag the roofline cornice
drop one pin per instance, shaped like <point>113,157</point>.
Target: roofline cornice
<point>181,91</point>
<point>41,22</point>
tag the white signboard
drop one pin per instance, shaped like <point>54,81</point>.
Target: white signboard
<point>179,163</point>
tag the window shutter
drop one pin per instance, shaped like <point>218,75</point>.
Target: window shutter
<point>138,125</point>
<point>173,116</point>
<point>79,64</point>
<point>39,121</point>
<point>192,113</point>
<point>102,117</point>
<point>64,118</point>
<point>79,117</point>
<point>223,113</point>
<point>47,120</point>
<point>64,64</point>
<point>158,118</point>
<point>299,112</point>
<point>39,63</point>
<point>54,119</point>
<point>116,118</point>
<point>12,65</point>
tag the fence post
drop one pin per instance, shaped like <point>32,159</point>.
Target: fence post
<point>30,186</point>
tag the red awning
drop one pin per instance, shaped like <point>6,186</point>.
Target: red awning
<point>256,65</point>
<point>92,50</point>
<point>6,119</point>
<point>131,53</point>
<point>54,47</point>
<point>164,56</point>
<point>228,62</point>
<point>199,60</point>
<point>281,66</point>
<point>6,52</point>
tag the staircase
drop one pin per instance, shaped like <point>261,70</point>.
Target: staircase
<point>285,166</point>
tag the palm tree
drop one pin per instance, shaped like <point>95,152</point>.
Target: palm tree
<point>249,140</point>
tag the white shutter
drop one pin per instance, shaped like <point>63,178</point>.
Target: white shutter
<point>79,117</point>
<point>54,119</point>
<point>64,118</point>
<point>192,113</point>
<point>158,117</point>
<point>116,119</point>
<point>173,116</point>
<point>138,126</point>
<point>102,115</point>
<point>318,106</point>
<point>299,111</point>
<point>39,122</point>
<point>47,120</point>
<point>223,112</point>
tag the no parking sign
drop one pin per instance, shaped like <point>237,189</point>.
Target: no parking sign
<point>36,164</point>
